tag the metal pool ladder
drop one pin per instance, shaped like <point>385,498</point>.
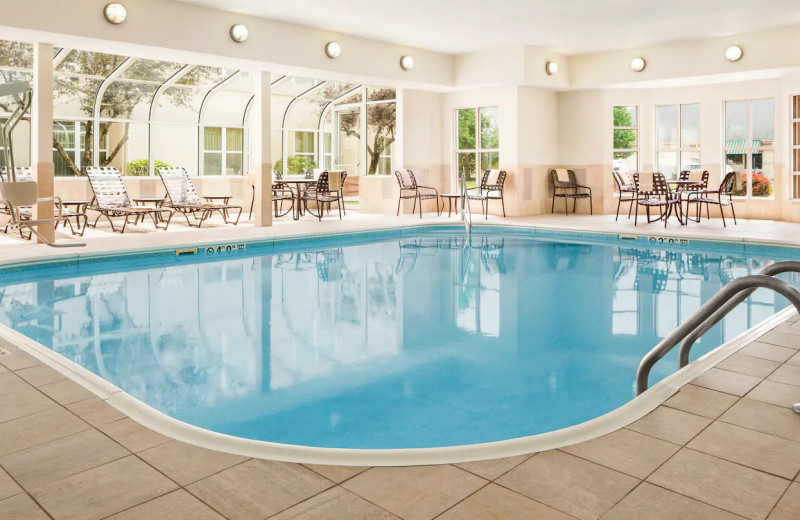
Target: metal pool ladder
<point>466,215</point>
<point>711,312</point>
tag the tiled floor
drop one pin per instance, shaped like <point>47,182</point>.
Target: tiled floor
<point>726,446</point>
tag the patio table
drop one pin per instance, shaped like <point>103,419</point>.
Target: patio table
<point>677,187</point>
<point>298,183</point>
<point>450,198</point>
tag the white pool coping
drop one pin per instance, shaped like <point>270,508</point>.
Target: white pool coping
<point>184,432</point>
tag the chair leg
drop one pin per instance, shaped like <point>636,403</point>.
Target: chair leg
<point>636,213</point>
<point>503,203</point>
<point>734,215</point>
<point>420,206</point>
<point>721,212</point>
<point>553,206</point>
<point>414,209</point>
<point>591,210</point>
<point>630,208</point>
<point>399,200</point>
<point>619,203</point>
<point>566,204</point>
<point>339,205</point>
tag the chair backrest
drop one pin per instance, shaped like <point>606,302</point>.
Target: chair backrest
<point>20,193</point>
<point>651,183</point>
<point>277,175</point>
<point>493,180</point>
<point>726,186</point>
<point>313,174</point>
<point>696,176</point>
<point>179,186</point>
<point>623,180</point>
<point>323,182</point>
<point>23,174</point>
<point>406,179</point>
<point>108,188</point>
<point>344,176</point>
<point>563,178</point>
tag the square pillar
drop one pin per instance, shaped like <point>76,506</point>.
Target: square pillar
<point>42,134</point>
<point>261,153</point>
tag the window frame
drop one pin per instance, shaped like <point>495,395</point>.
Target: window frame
<point>223,151</point>
<point>749,149</point>
<point>636,128</point>
<point>794,146</point>
<point>479,149</point>
<point>679,149</point>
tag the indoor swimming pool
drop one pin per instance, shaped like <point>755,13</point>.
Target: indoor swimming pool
<point>384,340</point>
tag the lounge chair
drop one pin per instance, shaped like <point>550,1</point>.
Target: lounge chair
<point>323,193</point>
<point>111,200</point>
<point>23,174</point>
<point>183,197</point>
<point>723,199</point>
<point>409,189</point>
<point>566,181</point>
<point>491,188</point>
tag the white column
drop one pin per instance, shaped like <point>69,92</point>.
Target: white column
<point>261,153</point>
<point>42,133</point>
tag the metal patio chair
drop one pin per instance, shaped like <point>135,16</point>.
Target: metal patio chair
<point>723,198</point>
<point>491,188</point>
<point>111,200</point>
<point>409,189</point>
<point>323,193</point>
<point>566,181</point>
<point>652,192</point>
<point>625,186</point>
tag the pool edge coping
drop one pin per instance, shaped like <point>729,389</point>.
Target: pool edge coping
<point>178,430</point>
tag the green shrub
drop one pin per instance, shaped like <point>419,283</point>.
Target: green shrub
<point>138,167</point>
<point>300,163</point>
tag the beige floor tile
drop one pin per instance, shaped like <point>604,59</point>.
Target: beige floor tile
<point>10,383</point>
<point>337,474</point>
<point>492,469</point>
<point>670,425</point>
<point>701,401</point>
<point>498,503</point>
<point>258,488</point>
<point>720,483</point>
<point>335,503</point>
<point>626,451</point>
<point>788,327</point>
<point>794,360</point>
<point>185,463</point>
<point>20,404</point>
<point>728,382</point>
<point>21,507</point>
<point>415,493</point>
<point>103,490</point>
<point>61,458</point>
<point>132,435</point>
<point>32,430</point>
<point>767,351</point>
<point>40,375</point>
<point>18,360</point>
<point>66,392</point>
<point>652,502</point>
<point>581,488</point>
<point>779,394</point>
<point>749,365</point>
<point>178,505</point>
<point>783,339</point>
<point>750,448</point>
<point>787,374</point>
<point>780,421</point>
<point>95,411</point>
<point>8,488</point>
<point>788,507</point>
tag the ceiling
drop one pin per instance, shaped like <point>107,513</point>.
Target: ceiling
<point>569,26</point>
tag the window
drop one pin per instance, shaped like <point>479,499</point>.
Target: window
<point>749,146</point>
<point>222,151</point>
<point>677,139</point>
<point>477,141</point>
<point>69,152</point>
<point>796,147</point>
<point>626,138</point>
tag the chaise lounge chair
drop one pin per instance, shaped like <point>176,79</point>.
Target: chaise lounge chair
<point>183,197</point>
<point>111,200</point>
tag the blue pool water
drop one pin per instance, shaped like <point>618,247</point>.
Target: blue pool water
<point>394,340</point>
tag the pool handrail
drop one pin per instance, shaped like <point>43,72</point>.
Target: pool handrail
<point>466,216</point>
<point>714,310</point>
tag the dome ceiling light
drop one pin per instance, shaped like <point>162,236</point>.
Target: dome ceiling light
<point>551,68</point>
<point>734,53</point>
<point>406,63</point>
<point>638,64</point>
<point>115,13</point>
<point>333,50</point>
<point>239,33</point>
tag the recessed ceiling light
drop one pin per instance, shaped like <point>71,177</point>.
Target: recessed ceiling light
<point>638,64</point>
<point>406,63</point>
<point>239,32</point>
<point>333,50</point>
<point>115,13</point>
<point>551,68</point>
<point>734,53</point>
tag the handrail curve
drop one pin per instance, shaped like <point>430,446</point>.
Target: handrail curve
<point>709,311</point>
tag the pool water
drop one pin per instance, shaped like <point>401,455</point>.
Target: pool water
<point>396,340</point>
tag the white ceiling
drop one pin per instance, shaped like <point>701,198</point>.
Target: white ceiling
<point>570,26</point>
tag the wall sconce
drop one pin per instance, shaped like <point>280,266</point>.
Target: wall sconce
<point>638,64</point>
<point>115,13</point>
<point>406,63</point>
<point>333,50</point>
<point>239,33</point>
<point>734,53</point>
<point>551,68</point>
